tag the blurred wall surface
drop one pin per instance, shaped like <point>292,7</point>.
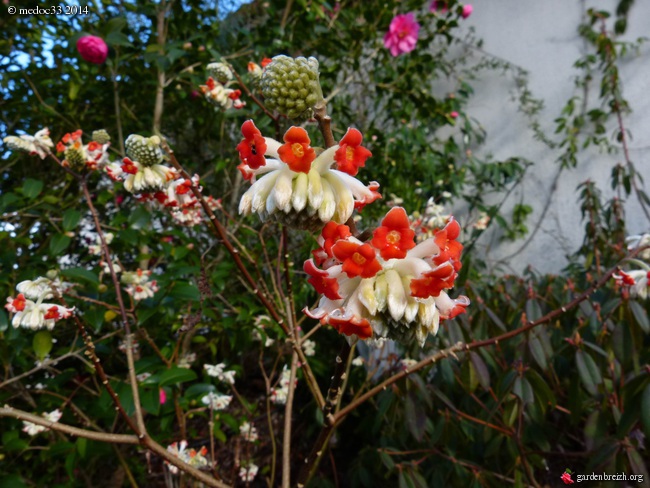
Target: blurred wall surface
<point>542,38</point>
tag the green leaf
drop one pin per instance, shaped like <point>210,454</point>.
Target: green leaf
<point>71,219</point>
<point>640,315</point>
<point>59,243</point>
<point>4,321</point>
<point>645,411</point>
<point>80,274</point>
<point>82,444</point>
<point>481,370</point>
<point>42,344</point>
<point>176,375</point>
<point>589,372</point>
<point>537,351</point>
<point>523,390</point>
<point>32,188</point>
<point>185,291</point>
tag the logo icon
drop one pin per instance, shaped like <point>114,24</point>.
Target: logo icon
<point>566,477</point>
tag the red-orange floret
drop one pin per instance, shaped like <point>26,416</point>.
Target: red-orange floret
<point>353,326</point>
<point>321,281</point>
<point>434,281</point>
<point>450,249</point>
<point>351,156</point>
<point>296,151</point>
<point>394,237</point>
<point>253,147</point>
<point>357,259</point>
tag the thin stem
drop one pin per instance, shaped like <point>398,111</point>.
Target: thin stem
<point>221,234</point>
<point>333,397</point>
<point>286,439</point>
<point>324,124</point>
<point>141,430</point>
<point>68,429</point>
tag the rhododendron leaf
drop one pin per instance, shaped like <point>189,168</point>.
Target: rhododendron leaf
<point>42,344</point>
<point>70,219</point>
<point>150,398</point>
<point>589,372</point>
<point>640,315</point>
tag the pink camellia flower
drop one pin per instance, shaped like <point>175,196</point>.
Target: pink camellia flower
<point>467,11</point>
<point>162,395</point>
<point>402,34</point>
<point>454,115</point>
<point>92,49</point>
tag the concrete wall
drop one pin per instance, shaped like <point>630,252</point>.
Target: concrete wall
<point>542,38</point>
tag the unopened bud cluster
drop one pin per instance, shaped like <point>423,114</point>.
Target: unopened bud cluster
<point>291,86</point>
<point>220,72</point>
<point>144,150</point>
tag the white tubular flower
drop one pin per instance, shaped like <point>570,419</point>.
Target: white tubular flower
<point>218,371</point>
<point>139,286</point>
<point>641,286</point>
<point>139,178</point>
<point>35,315</point>
<point>279,395</point>
<point>39,144</point>
<point>309,347</point>
<point>93,155</point>
<point>216,401</point>
<point>221,96</point>
<point>248,473</point>
<point>39,288</point>
<point>388,288</point>
<point>298,187</point>
<point>482,222</point>
<point>248,432</point>
<point>33,429</point>
<point>636,241</point>
<point>192,457</point>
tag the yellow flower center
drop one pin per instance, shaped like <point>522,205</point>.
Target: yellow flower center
<point>297,150</point>
<point>393,237</point>
<point>349,153</point>
<point>359,259</point>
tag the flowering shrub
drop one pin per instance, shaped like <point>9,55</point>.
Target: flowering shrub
<point>159,322</point>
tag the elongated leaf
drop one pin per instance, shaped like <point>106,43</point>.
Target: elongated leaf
<point>32,188</point>
<point>59,243</point>
<point>176,375</point>
<point>640,315</point>
<point>537,351</point>
<point>80,274</point>
<point>71,219</point>
<point>589,372</point>
<point>523,390</point>
<point>645,411</point>
<point>481,370</point>
<point>495,318</point>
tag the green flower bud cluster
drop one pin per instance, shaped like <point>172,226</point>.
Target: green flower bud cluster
<point>75,158</point>
<point>291,86</point>
<point>101,136</point>
<point>144,150</point>
<point>219,72</point>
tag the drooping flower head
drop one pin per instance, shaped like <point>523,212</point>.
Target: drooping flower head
<point>296,184</point>
<point>402,34</point>
<point>92,49</point>
<point>39,144</point>
<point>78,155</point>
<point>390,287</point>
<point>139,285</point>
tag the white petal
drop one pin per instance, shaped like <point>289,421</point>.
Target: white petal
<point>367,295</point>
<point>283,189</point>
<point>261,190</point>
<point>328,205</point>
<point>381,291</point>
<point>325,160</point>
<point>245,203</point>
<point>396,296</point>
<point>315,189</point>
<point>343,197</point>
<point>299,197</point>
<point>272,147</point>
<point>424,249</point>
